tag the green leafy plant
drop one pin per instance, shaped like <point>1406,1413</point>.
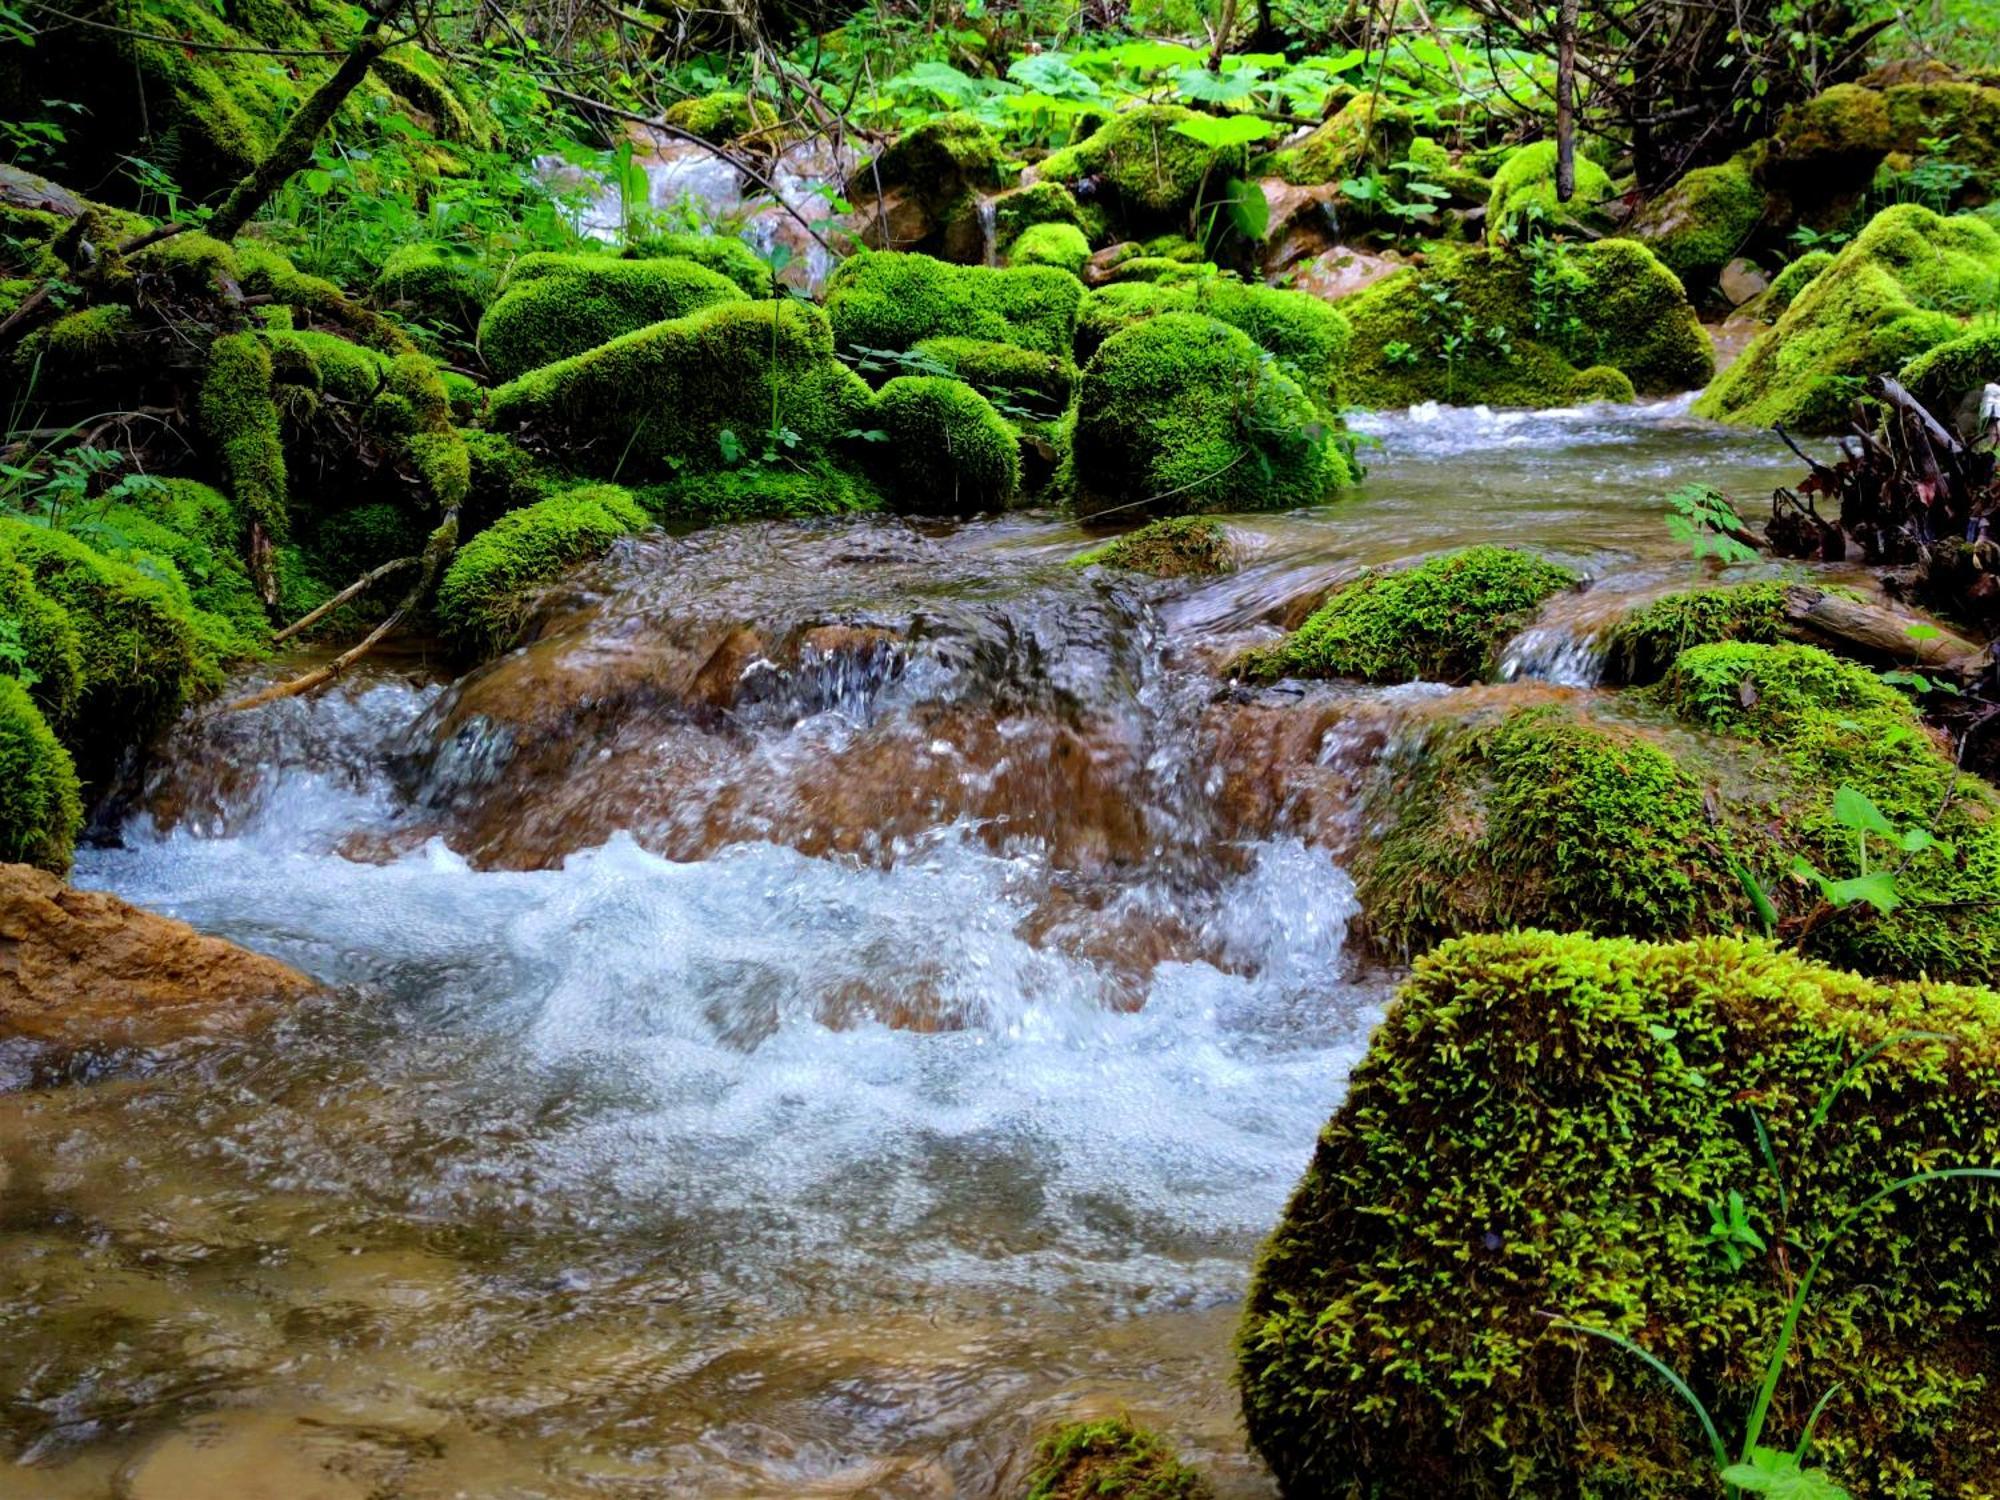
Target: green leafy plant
<point>1857,812</point>
<point>1704,518</point>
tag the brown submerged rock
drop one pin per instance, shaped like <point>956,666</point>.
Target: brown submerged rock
<point>82,966</point>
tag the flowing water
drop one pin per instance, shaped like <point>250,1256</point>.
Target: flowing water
<point>845,997</point>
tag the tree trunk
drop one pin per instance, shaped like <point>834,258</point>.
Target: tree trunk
<point>1566,100</point>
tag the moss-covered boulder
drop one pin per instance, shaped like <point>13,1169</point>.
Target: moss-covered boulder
<point>1790,281</point>
<point>947,451</point>
<point>1016,379</point>
<point>656,402</point>
<point>1830,143</point>
<point>1364,135</point>
<point>188,536</point>
<point>761,492</point>
<point>1111,1460</point>
<point>1311,338</point>
<point>1523,201</point>
<point>1037,203</point>
<point>1956,373</point>
<point>1148,171</point>
<point>722,117</point>
<point>443,287</point>
<point>1644,645</point>
<point>1910,281</point>
<point>1474,326</point>
<point>41,806</point>
<point>893,301</point>
<point>724,254</point>
<point>1542,1132</point>
<point>554,306</point>
<point>1702,222</point>
<point>1184,413</point>
<point>941,159</point>
<point>1060,245</point>
<point>38,644</point>
<point>493,579</point>
<point>1441,621</point>
<point>1173,547</point>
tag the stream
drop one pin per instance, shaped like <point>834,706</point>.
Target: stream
<point>847,996</point>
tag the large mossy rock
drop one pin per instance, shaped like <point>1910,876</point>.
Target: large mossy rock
<point>1649,824</point>
<point>1538,1133</point>
<point>1608,320</point>
<point>554,306</point>
<point>1183,413</point>
<point>655,402</point>
<point>1910,281</point>
<point>1364,135</point>
<point>1827,149</point>
<point>1702,222</point>
<point>947,451</point>
<point>887,300</point>
<point>1147,171</point>
<point>1310,337</point>
<point>1523,199</point>
<point>493,579</point>
<point>1440,621</point>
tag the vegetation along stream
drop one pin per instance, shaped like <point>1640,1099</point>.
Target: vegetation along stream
<point>1019,751</point>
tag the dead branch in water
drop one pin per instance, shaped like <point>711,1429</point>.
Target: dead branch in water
<point>360,586</point>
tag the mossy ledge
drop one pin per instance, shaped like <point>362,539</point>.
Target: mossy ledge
<point>1111,1460</point>
<point>486,592</point>
<point>1537,1133</point>
<point>1175,547</point>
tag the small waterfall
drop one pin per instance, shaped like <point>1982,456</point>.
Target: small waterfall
<point>1556,654</point>
<point>989,250</point>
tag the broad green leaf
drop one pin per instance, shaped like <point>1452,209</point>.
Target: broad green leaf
<point>1878,890</point>
<point>1853,809</point>
<point>1222,131</point>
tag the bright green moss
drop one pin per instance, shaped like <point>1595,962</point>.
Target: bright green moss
<point>1007,375</point>
<point>555,306</point>
<point>1967,114</point>
<point>1947,375</point>
<point>1441,621</point>
<point>760,493</point>
<point>1174,547</point>
<point>656,401</point>
<point>1834,724</point>
<point>38,644</point>
<point>723,254</point>
<point>1183,413</point>
<point>1312,338</point>
<point>1060,245</point>
<point>1524,201</point>
<point>41,806</point>
<point>313,299</point>
<point>1365,135</point>
<point>77,345</point>
<point>445,287</point>
<point>1437,165</point>
<point>324,362</point>
<point>501,476</point>
<point>140,648</point>
<point>208,581</point>
<point>1699,225</point>
<point>486,592</point>
<point>1789,282</point>
<point>1644,644</point>
<point>1111,1460</point>
<point>722,117</point>
<point>239,417</point>
<point>1608,304</point>
<point>1537,1133</point>
<point>1148,168</point>
<point>1907,283</point>
<point>1831,143</point>
<point>1038,203</point>
<point>421,80</point>
<point>887,300</point>
<point>1159,269</point>
<point>948,451</point>
<point>939,160</point>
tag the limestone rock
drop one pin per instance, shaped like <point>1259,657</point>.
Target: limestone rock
<point>1740,281</point>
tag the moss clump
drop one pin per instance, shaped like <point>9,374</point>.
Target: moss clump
<point>1037,203</point>
<point>1174,547</point>
<point>555,306</point>
<point>657,401</point>
<point>501,476</point>
<point>1008,376</point>
<point>939,160</point>
<point>1698,225</point>
<point>1644,644</point>
<point>1906,284</point>
<point>140,650</point>
<point>1610,304</point>
<point>761,493</point>
<point>1364,135</point>
<point>1789,282</point>
<point>240,419</point>
<point>1465,184</point>
<point>1183,414</point>
<point>1312,338</point>
<point>721,117</point>
<point>1111,1460</point>
<point>444,286</point>
<point>486,592</point>
<point>38,644</point>
<point>1833,724</point>
<point>1830,143</point>
<point>1537,1133</point>
<point>184,536</point>
<point>1149,170</point>
<point>1441,621</point>
<point>948,451</point>
<point>1942,378</point>
<point>41,805</point>
<point>1523,200</point>
<point>1060,245</point>
<point>889,300</point>
<point>723,254</point>
<point>1967,113</point>
<point>1543,819</point>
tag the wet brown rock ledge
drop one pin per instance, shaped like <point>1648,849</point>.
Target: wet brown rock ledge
<point>81,966</point>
